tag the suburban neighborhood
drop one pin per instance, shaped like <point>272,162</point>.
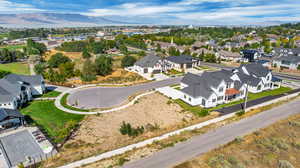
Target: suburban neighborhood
<point>86,90</point>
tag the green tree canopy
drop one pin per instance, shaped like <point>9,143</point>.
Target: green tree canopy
<point>58,59</point>
<point>103,65</point>
<point>128,61</point>
<point>88,71</point>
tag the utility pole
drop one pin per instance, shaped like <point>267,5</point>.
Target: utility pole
<point>246,97</point>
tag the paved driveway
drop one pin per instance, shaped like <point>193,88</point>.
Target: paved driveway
<point>105,97</point>
<point>198,145</point>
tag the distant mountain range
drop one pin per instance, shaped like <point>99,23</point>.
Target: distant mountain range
<point>55,20</point>
<point>34,20</point>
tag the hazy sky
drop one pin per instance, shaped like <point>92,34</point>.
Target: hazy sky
<point>175,11</point>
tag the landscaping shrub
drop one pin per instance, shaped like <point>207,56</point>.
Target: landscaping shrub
<point>3,73</point>
<point>127,129</point>
<point>121,161</point>
<point>240,113</point>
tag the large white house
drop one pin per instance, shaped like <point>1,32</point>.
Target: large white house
<point>150,64</point>
<point>16,90</point>
<point>213,88</point>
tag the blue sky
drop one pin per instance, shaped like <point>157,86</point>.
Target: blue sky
<point>168,11</point>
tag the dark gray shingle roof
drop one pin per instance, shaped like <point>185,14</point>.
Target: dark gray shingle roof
<point>182,59</point>
<point>256,69</point>
<point>201,85</point>
<point>293,59</point>
<point>32,80</point>
<point>248,79</point>
<point>148,61</point>
<point>4,113</point>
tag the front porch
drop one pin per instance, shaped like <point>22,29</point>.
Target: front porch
<point>232,94</point>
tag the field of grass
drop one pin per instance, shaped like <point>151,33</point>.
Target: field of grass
<point>17,68</point>
<point>56,123</point>
<point>196,110</point>
<point>51,94</point>
<point>3,36</point>
<point>277,146</point>
<point>253,96</point>
<point>13,47</point>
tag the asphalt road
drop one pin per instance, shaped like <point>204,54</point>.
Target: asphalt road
<point>104,97</point>
<point>201,144</point>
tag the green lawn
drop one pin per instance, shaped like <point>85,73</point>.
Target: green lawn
<point>56,123</point>
<point>17,68</point>
<point>13,47</point>
<point>3,36</point>
<point>196,110</point>
<point>51,94</point>
<point>253,96</point>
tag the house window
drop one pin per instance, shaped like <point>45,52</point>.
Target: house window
<point>214,100</point>
<point>203,102</point>
<point>220,98</point>
<point>221,89</point>
<point>185,96</point>
<point>228,85</point>
<point>259,87</point>
<point>190,99</point>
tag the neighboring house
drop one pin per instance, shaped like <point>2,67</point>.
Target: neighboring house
<point>231,45</point>
<point>229,56</point>
<point>182,62</point>
<point>287,62</point>
<point>250,55</point>
<point>198,45</point>
<point>258,77</point>
<point>213,88</point>
<point>283,52</point>
<point>164,45</point>
<point>15,90</point>
<point>149,64</point>
<point>202,50</point>
<point>10,118</point>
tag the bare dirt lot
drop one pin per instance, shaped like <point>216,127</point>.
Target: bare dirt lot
<point>98,134</point>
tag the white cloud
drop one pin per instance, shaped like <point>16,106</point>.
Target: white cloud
<point>138,9</point>
<point>7,6</point>
<point>194,12</point>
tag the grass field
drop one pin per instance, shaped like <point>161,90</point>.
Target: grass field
<point>13,47</point>
<point>196,110</point>
<point>3,36</point>
<point>51,94</point>
<point>17,68</point>
<point>277,146</point>
<point>56,123</point>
